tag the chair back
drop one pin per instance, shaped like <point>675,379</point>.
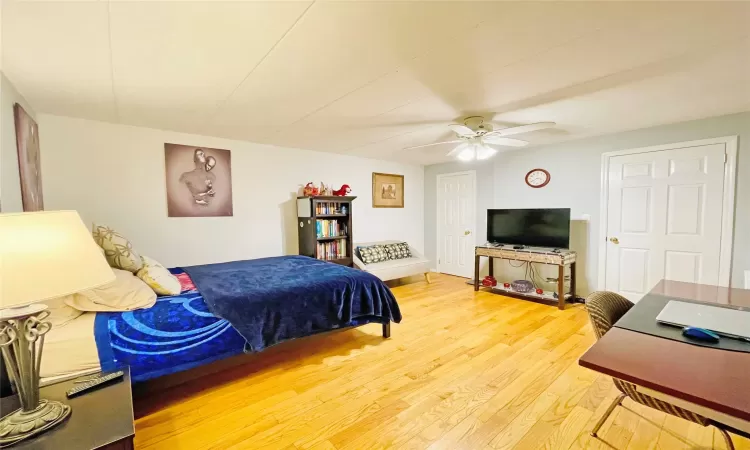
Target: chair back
<point>606,308</point>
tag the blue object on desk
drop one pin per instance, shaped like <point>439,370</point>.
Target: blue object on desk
<point>700,334</point>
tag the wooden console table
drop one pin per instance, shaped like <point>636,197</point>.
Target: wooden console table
<point>531,255</point>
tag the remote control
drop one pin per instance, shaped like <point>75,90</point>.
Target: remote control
<point>92,383</point>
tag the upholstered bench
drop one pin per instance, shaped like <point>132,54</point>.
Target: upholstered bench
<point>385,268</point>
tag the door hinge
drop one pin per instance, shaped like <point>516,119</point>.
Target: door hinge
<point>725,158</point>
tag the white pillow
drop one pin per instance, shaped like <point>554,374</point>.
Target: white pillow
<point>158,278</point>
<point>60,312</point>
<point>126,293</point>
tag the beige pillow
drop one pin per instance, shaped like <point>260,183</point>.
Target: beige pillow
<point>158,278</point>
<point>117,249</point>
<point>126,293</point>
<point>60,312</point>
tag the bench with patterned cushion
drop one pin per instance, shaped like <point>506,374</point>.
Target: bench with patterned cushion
<point>389,260</point>
<point>398,251</point>
<point>373,254</point>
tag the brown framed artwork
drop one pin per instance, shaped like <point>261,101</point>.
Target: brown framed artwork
<point>199,181</point>
<point>29,162</point>
<point>387,190</point>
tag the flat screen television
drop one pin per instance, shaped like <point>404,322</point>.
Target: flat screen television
<point>529,227</point>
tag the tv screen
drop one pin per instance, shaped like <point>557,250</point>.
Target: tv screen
<point>531,227</point>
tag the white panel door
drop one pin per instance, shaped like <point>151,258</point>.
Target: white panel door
<point>664,217</point>
<point>456,219</point>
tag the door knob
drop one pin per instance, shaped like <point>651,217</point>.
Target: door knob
<point>467,232</point>
<point>614,240</point>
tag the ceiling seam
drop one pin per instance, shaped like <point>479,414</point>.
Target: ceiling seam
<point>111,61</point>
<point>417,99</point>
<point>262,59</point>
<point>374,80</point>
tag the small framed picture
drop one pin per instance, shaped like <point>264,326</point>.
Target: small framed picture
<point>387,190</point>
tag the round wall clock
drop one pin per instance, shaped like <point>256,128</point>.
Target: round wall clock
<point>537,178</point>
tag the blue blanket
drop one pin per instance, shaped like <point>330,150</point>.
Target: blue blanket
<point>271,300</point>
<point>177,333</point>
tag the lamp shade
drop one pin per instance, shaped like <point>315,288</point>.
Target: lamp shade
<point>45,255</point>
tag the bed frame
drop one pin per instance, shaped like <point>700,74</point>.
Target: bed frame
<point>159,384</point>
<point>176,378</point>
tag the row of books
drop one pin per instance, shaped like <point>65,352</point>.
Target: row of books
<point>329,208</point>
<point>332,250</point>
<point>330,228</point>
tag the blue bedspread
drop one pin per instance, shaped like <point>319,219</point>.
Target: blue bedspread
<point>177,333</point>
<point>270,300</point>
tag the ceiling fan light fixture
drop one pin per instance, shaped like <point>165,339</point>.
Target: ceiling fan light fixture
<point>485,152</point>
<point>467,154</point>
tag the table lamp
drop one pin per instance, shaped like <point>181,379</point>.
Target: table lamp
<point>43,255</point>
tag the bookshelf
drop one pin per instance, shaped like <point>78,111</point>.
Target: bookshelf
<point>325,228</point>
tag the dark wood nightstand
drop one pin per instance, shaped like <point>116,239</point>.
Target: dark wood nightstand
<point>100,419</point>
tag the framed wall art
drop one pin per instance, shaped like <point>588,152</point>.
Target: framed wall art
<point>29,160</point>
<point>387,190</point>
<point>199,181</point>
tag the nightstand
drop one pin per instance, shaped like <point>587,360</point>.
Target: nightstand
<point>100,419</point>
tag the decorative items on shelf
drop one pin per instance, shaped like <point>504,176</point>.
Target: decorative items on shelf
<point>310,190</point>
<point>522,286</point>
<point>324,190</point>
<point>345,189</point>
<point>489,281</point>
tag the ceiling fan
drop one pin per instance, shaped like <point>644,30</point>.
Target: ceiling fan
<point>475,134</point>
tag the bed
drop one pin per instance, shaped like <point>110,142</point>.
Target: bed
<point>260,303</point>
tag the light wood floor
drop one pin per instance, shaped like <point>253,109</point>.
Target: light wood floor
<point>462,371</point>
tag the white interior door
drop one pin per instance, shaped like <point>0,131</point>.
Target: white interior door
<point>664,218</point>
<point>456,197</point>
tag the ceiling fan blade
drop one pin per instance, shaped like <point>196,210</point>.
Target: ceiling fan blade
<point>521,129</point>
<point>462,130</point>
<point>435,143</point>
<point>458,149</point>
<point>499,140</point>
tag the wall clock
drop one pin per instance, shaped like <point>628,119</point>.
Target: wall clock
<point>537,178</point>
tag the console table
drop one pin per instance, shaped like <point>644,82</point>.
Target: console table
<point>560,259</point>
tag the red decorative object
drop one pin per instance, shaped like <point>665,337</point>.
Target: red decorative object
<point>310,190</point>
<point>489,281</point>
<point>540,291</point>
<point>506,285</point>
<point>345,189</point>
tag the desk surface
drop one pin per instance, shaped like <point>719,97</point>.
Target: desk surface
<point>97,418</point>
<point>715,379</point>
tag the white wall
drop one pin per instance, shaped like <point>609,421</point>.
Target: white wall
<point>575,167</point>
<point>10,181</point>
<point>114,175</point>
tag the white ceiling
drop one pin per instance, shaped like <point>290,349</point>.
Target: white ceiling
<point>371,77</point>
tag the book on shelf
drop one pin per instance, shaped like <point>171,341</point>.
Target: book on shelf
<point>329,208</point>
<point>331,250</point>
<point>330,228</point>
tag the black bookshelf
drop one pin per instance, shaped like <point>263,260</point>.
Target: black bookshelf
<point>325,228</point>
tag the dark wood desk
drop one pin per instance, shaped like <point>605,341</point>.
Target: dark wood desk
<point>100,419</point>
<point>703,377</point>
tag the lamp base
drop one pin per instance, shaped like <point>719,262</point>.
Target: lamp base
<point>20,425</point>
